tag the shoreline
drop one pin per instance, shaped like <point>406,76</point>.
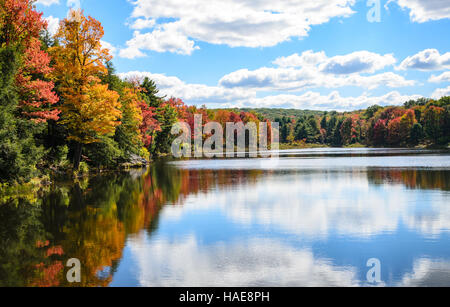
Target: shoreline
<point>285,146</point>
<point>49,179</point>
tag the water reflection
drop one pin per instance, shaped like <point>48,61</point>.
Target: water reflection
<point>411,178</point>
<point>177,224</point>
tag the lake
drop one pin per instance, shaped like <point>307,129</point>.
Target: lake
<point>310,218</point>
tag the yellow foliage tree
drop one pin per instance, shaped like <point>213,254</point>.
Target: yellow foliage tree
<point>88,108</point>
<point>131,114</point>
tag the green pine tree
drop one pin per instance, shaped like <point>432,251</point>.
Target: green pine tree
<point>18,151</point>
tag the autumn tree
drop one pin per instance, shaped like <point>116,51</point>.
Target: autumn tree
<point>21,26</point>
<point>347,130</point>
<point>394,133</point>
<point>89,108</point>
<point>379,133</point>
<point>37,98</point>
<point>149,124</point>
<point>407,122</point>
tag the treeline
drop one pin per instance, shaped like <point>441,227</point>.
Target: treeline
<point>63,109</point>
<point>418,122</point>
<point>274,113</point>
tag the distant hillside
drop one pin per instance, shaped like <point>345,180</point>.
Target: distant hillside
<point>272,114</point>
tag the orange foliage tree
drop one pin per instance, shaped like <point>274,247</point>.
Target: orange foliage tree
<point>89,108</point>
<point>407,121</point>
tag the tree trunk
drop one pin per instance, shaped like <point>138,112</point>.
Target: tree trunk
<point>77,156</point>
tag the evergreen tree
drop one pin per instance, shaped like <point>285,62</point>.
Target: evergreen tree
<point>336,138</point>
<point>300,131</point>
<point>167,116</point>
<point>324,123</point>
<point>150,93</point>
<point>330,127</point>
<point>18,151</point>
<point>416,133</point>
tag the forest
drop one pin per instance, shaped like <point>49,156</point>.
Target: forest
<point>63,110</point>
<point>422,122</point>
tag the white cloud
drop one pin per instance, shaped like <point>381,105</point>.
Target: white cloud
<point>426,60</point>
<point>47,2</point>
<point>221,96</point>
<point>290,79</point>
<point>333,101</point>
<point>307,58</point>
<point>248,23</point>
<point>314,69</point>
<point>441,92</point>
<point>427,272</point>
<point>194,93</point>
<point>356,62</point>
<point>131,53</point>
<point>53,24</point>
<point>388,79</point>
<point>186,261</point>
<point>295,74</point>
<point>160,40</point>
<point>425,10</point>
<point>444,77</point>
<point>142,23</point>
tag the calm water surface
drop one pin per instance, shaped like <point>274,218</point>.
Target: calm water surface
<point>311,218</point>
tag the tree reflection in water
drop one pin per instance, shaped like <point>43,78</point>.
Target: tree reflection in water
<point>92,219</point>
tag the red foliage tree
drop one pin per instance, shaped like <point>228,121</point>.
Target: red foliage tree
<point>406,123</point>
<point>234,117</point>
<point>36,94</point>
<point>391,113</point>
<point>21,25</point>
<point>149,123</point>
<point>380,132</point>
<point>394,131</point>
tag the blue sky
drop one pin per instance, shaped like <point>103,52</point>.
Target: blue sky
<point>321,54</point>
